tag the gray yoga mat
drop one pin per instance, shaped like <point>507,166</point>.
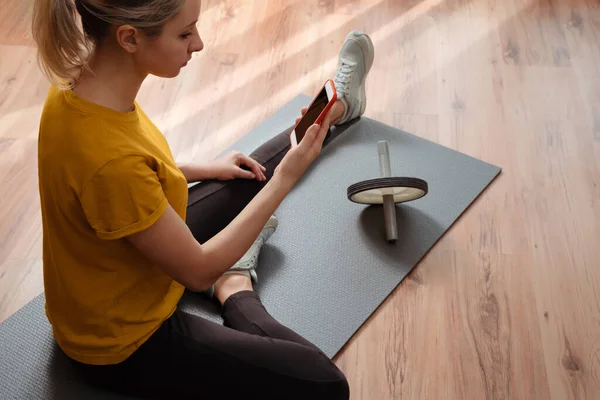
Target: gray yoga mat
<point>326,269</point>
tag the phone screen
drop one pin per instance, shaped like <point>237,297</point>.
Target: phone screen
<point>312,114</point>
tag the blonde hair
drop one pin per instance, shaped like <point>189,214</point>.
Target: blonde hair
<point>67,31</point>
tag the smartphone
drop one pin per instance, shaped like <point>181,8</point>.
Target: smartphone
<point>317,110</point>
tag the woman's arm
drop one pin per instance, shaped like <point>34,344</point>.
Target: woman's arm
<point>170,245</point>
<point>230,166</point>
<point>196,172</point>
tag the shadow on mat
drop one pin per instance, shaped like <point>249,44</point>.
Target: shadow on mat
<point>413,226</point>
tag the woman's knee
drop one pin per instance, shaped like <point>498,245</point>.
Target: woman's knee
<point>332,384</point>
<point>336,389</point>
<point>339,389</point>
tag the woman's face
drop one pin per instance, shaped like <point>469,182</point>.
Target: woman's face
<point>166,54</point>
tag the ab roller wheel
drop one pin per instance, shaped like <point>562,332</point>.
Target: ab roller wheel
<point>388,191</point>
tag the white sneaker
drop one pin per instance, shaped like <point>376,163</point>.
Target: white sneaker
<point>247,264</point>
<point>355,61</point>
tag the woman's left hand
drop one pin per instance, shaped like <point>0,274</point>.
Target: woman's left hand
<point>230,167</point>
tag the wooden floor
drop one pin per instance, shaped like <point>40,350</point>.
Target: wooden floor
<point>507,304</point>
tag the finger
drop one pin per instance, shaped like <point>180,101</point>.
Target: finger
<point>258,170</point>
<point>315,135</point>
<point>324,128</point>
<point>254,166</point>
<point>260,173</point>
<point>310,136</point>
<point>302,111</point>
<point>242,173</point>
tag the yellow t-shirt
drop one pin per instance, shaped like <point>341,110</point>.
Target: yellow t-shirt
<point>103,175</point>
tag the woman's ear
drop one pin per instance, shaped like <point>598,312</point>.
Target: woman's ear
<point>127,37</point>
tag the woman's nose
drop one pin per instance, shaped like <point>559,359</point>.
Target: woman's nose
<point>197,45</point>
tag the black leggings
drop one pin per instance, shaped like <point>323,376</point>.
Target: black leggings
<point>253,355</point>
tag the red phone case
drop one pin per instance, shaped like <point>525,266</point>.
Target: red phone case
<point>325,110</point>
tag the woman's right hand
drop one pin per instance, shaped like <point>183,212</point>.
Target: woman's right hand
<point>299,158</point>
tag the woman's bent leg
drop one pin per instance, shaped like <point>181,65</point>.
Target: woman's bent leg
<point>190,357</point>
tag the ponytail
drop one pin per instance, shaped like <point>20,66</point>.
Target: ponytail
<point>63,49</point>
<point>64,45</point>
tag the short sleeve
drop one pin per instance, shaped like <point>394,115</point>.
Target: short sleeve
<point>123,197</point>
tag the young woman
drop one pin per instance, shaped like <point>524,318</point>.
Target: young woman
<point>123,237</point>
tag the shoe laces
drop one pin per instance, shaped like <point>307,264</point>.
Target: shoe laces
<point>344,75</point>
